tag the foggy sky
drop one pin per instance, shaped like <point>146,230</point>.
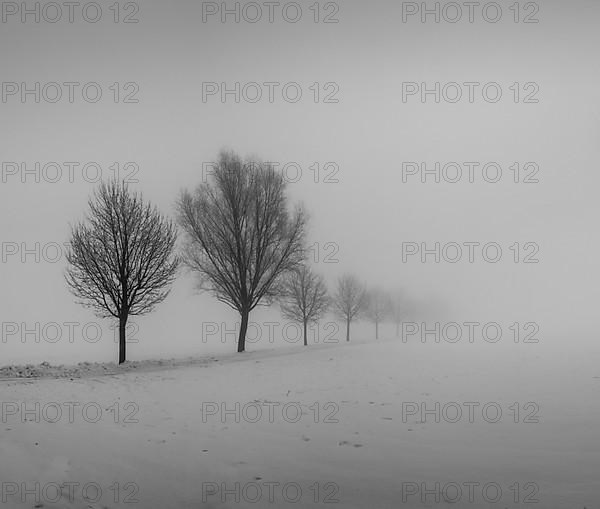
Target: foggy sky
<point>369,133</point>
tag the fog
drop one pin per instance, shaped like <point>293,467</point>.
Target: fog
<point>364,216</point>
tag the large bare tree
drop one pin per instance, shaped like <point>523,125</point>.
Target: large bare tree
<point>305,298</point>
<point>121,258</point>
<point>241,237</point>
<point>378,307</point>
<point>349,300</point>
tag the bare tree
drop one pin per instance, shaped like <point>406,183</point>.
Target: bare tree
<point>241,238</point>
<point>377,308</point>
<point>398,309</point>
<point>121,257</point>
<point>349,300</point>
<point>305,298</point>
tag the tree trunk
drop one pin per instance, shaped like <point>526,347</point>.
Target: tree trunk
<point>348,330</point>
<point>122,329</point>
<point>123,315</point>
<point>305,341</point>
<point>376,330</point>
<point>243,329</point>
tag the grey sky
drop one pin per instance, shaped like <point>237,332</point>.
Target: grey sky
<point>369,133</point>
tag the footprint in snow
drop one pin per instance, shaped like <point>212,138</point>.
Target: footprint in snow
<point>345,442</point>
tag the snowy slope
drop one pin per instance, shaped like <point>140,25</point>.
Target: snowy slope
<point>358,449</point>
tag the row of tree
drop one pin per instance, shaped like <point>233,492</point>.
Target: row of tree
<point>240,238</point>
<point>305,300</point>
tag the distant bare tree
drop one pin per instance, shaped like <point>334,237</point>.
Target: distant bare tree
<point>398,309</point>
<point>377,307</point>
<point>349,300</point>
<point>121,258</point>
<point>305,297</point>
<point>241,239</point>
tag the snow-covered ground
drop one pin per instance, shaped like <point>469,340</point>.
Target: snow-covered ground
<point>163,438</point>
